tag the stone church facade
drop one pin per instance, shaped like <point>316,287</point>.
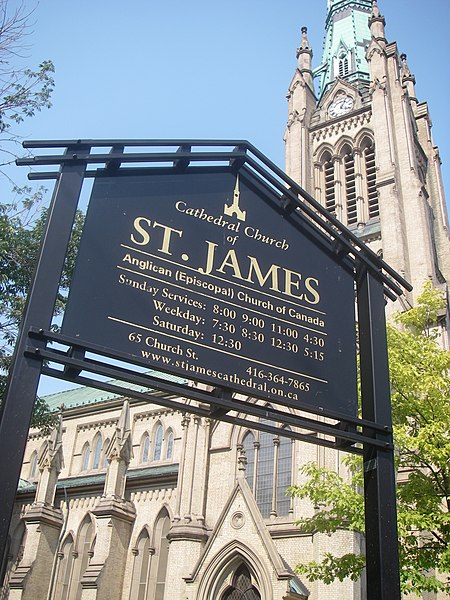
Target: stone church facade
<point>126,500</point>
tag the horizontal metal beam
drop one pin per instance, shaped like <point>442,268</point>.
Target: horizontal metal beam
<point>129,157</point>
<point>99,143</point>
<point>172,387</point>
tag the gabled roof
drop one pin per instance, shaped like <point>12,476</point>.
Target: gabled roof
<point>241,510</point>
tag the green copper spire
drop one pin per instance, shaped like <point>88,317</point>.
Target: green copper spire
<point>347,35</point>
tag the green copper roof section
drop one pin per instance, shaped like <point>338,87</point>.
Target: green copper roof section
<point>98,479</point>
<point>347,35</point>
<point>83,396</point>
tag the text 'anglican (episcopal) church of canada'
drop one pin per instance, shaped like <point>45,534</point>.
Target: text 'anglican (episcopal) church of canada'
<point>131,501</point>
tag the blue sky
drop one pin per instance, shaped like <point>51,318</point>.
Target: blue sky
<point>205,69</point>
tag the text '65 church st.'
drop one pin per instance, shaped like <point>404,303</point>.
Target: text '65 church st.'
<point>130,501</point>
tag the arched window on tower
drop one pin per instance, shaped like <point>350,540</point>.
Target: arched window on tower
<point>350,186</point>
<point>328,172</point>
<point>371,179</point>
<point>343,65</point>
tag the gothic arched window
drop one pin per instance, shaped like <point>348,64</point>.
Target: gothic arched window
<point>33,465</point>
<point>242,587</point>
<point>265,472</point>
<point>141,567</point>
<point>83,556</point>
<point>64,569</point>
<point>268,470</point>
<point>157,448</point>
<point>284,475</point>
<point>97,446</point>
<point>169,446</point>
<point>161,543</point>
<point>354,167</point>
<point>145,448</point>
<point>85,456</point>
<point>145,445</point>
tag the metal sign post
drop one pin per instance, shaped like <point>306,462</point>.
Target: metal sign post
<point>379,470</point>
<point>25,372</point>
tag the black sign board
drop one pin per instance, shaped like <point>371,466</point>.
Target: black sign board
<point>203,275</point>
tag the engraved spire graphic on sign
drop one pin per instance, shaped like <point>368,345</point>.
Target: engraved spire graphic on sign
<point>234,208</point>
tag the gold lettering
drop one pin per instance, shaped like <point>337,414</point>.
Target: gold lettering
<point>209,258</point>
<point>167,235</point>
<point>234,264</point>
<point>145,235</point>
<point>272,272</point>
<point>314,292</point>
<point>290,283</point>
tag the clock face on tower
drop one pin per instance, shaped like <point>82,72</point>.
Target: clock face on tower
<point>341,104</point>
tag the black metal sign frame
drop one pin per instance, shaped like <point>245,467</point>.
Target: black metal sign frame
<point>370,435</point>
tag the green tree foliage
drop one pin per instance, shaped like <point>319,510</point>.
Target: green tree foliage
<point>420,383</point>
<point>23,92</point>
<point>21,226</point>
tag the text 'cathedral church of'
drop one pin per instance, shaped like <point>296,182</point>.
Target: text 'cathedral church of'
<point>129,501</point>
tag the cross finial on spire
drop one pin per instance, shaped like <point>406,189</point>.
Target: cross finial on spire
<point>405,69</point>
<point>407,77</point>
<point>304,45</point>
<point>375,9</point>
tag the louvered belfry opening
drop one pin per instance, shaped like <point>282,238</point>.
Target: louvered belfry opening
<point>330,196</point>
<point>372,194</point>
<point>350,188</point>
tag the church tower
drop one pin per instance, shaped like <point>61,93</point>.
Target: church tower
<point>359,140</point>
